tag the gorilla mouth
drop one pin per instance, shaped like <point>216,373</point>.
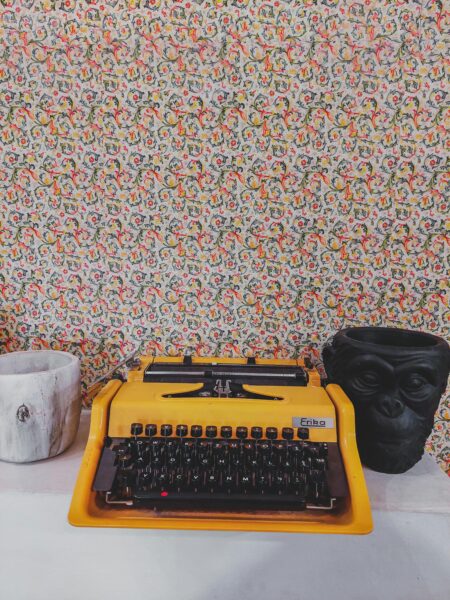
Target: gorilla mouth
<point>390,442</point>
<point>391,458</point>
<point>388,431</point>
<point>395,439</point>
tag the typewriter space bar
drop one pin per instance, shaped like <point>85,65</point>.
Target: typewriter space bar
<point>212,499</point>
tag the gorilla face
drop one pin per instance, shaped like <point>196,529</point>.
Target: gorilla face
<point>395,392</point>
<point>395,403</point>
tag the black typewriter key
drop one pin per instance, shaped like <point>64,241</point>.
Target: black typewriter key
<point>271,463</point>
<point>226,431</point>
<point>286,463</point>
<point>136,428</point>
<point>180,478</point>
<point>211,431</point>
<point>166,430</point>
<point>125,460</point>
<point>287,433</point>
<point>203,453</point>
<point>297,446</point>
<point>298,481</point>
<point>241,432</point>
<point>245,481</point>
<point>196,480</point>
<point>181,430</point>
<point>262,481</point>
<point>156,458</point>
<point>313,451</point>
<point>163,478</point>
<point>220,450</point>
<point>279,481</point>
<point>320,464</point>
<point>150,429</point>
<point>303,433</point>
<point>155,462</point>
<point>279,452</point>
<point>270,457</point>
<point>221,462</point>
<point>256,433</point>
<point>155,447</point>
<point>171,452</point>
<point>271,433</point>
<point>249,455</point>
<point>140,447</point>
<point>264,449</point>
<point>211,480</point>
<point>188,448</point>
<point>323,451</point>
<point>228,481</point>
<point>249,449</point>
<point>196,430</point>
<point>204,447</point>
<point>235,453</point>
<point>122,448</point>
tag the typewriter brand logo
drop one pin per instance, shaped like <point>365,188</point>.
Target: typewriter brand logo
<point>319,422</point>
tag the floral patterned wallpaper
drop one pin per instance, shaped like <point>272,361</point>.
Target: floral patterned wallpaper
<point>222,177</point>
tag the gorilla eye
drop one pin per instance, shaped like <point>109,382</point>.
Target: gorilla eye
<point>415,382</point>
<point>368,380</point>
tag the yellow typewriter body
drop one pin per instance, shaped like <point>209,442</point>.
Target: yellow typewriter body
<point>325,415</point>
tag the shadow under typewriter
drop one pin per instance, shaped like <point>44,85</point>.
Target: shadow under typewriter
<point>172,472</point>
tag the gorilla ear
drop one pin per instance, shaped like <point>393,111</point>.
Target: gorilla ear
<point>328,354</point>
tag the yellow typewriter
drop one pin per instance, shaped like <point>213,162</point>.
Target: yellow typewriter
<point>218,443</point>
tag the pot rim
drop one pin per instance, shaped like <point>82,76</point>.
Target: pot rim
<point>72,359</point>
<point>431,341</point>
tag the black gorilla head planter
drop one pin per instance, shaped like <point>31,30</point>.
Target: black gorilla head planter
<point>395,378</point>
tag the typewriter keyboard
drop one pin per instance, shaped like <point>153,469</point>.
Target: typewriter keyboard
<point>188,467</point>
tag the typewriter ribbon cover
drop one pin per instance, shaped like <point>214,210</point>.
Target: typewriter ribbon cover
<point>217,443</point>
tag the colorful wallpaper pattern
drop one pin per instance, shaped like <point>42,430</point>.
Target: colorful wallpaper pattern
<point>221,177</point>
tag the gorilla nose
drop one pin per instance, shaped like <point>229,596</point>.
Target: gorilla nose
<point>390,407</point>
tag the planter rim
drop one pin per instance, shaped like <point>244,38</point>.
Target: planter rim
<point>431,341</point>
<point>71,360</point>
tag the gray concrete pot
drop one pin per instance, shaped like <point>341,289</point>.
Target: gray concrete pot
<point>40,404</point>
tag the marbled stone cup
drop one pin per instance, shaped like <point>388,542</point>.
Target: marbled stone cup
<point>40,404</point>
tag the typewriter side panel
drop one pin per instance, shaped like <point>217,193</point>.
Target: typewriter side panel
<point>83,510</point>
<point>358,515</point>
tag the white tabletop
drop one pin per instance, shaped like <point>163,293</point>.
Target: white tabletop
<point>42,557</point>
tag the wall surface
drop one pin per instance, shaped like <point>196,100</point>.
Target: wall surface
<point>221,177</point>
